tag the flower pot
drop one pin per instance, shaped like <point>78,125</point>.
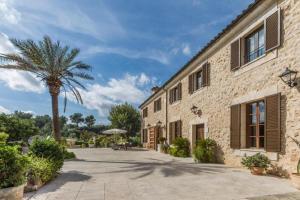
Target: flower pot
<point>159,147</point>
<point>295,178</point>
<point>257,170</point>
<point>12,193</point>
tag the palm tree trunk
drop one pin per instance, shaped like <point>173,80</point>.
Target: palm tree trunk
<point>55,117</point>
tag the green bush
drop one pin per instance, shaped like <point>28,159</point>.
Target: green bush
<point>257,160</point>
<point>3,137</point>
<point>49,149</point>
<point>40,169</point>
<point>205,151</point>
<point>180,147</point>
<point>79,142</point>
<point>13,167</point>
<point>104,141</point>
<point>69,155</point>
<point>135,141</point>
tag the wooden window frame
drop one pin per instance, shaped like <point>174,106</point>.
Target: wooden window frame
<point>175,94</point>
<point>145,112</point>
<point>254,33</point>
<point>145,135</point>
<point>157,105</point>
<point>256,125</point>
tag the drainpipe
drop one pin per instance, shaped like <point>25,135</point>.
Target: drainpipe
<point>166,125</point>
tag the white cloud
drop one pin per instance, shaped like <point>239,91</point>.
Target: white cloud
<point>8,14</point>
<point>33,18</point>
<point>17,80</point>
<point>127,89</point>
<point>157,55</point>
<point>4,110</point>
<point>186,50</point>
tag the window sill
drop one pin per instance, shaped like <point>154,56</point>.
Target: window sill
<point>250,152</point>
<point>256,63</point>
<point>175,103</point>
<point>198,90</point>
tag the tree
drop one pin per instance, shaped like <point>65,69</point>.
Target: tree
<point>90,121</point>
<point>17,128</point>
<point>125,116</point>
<point>43,122</point>
<point>54,65</point>
<point>76,118</point>
<point>23,115</point>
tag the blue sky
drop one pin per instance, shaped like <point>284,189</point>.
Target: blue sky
<point>132,45</point>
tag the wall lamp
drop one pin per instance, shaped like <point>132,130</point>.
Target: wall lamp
<point>289,77</point>
<point>196,111</point>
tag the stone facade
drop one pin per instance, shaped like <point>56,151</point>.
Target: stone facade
<point>252,81</point>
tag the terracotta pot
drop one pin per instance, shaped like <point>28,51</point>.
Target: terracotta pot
<point>295,178</point>
<point>257,170</point>
<point>12,193</point>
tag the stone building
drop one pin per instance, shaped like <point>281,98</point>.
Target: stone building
<point>231,90</point>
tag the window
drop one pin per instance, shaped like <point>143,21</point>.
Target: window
<point>256,125</point>
<point>199,79</point>
<point>255,45</point>
<point>175,130</point>
<point>157,105</point>
<point>145,136</point>
<point>145,112</point>
<point>175,94</point>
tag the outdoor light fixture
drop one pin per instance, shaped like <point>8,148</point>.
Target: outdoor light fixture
<point>196,111</point>
<point>159,123</point>
<point>289,77</point>
<point>149,125</point>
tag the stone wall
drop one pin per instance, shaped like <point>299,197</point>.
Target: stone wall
<point>252,81</point>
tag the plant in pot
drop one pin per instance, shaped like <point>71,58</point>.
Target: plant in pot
<point>13,168</point>
<point>161,143</point>
<point>295,177</point>
<point>91,143</point>
<point>257,163</point>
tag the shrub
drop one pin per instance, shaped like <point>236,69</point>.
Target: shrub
<point>205,151</point>
<point>49,149</point>
<point>69,155</point>
<point>180,147</point>
<point>13,166</point>
<point>3,137</point>
<point>135,141</point>
<point>79,142</point>
<point>40,169</point>
<point>257,160</point>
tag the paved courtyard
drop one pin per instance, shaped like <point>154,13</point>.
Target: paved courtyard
<point>141,175</point>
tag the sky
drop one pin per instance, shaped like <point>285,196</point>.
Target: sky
<point>132,46</point>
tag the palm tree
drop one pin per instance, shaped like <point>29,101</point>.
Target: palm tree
<point>54,65</point>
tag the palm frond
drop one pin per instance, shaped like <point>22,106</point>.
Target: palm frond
<point>83,75</point>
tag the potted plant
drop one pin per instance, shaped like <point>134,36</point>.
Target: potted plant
<point>257,163</point>
<point>295,177</point>
<point>13,167</point>
<point>161,143</point>
<point>91,143</point>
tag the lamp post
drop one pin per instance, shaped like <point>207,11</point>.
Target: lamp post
<point>289,77</point>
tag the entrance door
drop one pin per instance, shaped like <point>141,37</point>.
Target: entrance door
<point>199,132</point>
<point>152,138</point>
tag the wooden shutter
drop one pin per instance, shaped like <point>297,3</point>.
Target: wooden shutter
<point>171,131</point>
<point>191,83</point>
<point>180,128</point>
<point>235,126</point>
<point>179,87</point>
<point>235,55</point>
<point>206,74</point>
<point>273,31</point>
<point>272,123</point>
<point>170,97</point>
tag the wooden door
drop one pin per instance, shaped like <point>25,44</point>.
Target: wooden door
<point>199,132</point>
<point>152,138</point>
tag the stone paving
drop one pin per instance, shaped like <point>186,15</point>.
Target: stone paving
<point>141,175</point>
